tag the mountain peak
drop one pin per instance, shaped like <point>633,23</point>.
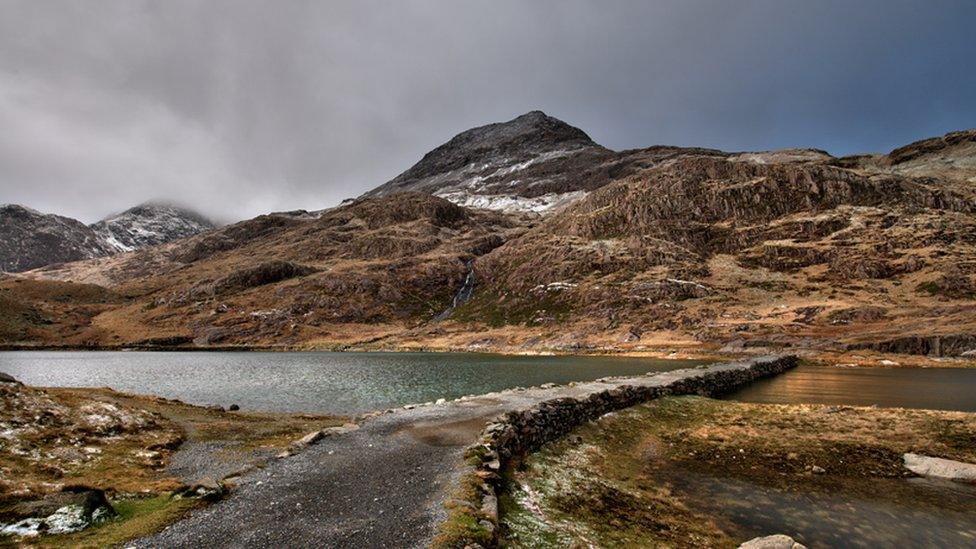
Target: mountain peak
<point>500,165</point>
<point>149,224</point>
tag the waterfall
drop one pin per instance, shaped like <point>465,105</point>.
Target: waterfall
<point>463,294</point>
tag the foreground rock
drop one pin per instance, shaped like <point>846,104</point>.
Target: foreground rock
<point>940,468</point>
<point>62,513</point>
<point>779,541</point>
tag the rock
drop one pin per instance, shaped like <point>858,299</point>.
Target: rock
<point>940,468</point>
<point>441,401</point>
<point>310,438</point>
<point>779,541</point>
<point>234,408</point>
<point>206,489</point>
<point>886,362</point>
<point>489,506</point>
<point>817,470</point>
<point>72,510</point>
<point>7,378</point>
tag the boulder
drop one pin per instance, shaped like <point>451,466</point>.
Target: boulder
<point>940,468</point>
<point>71,510</point>
<point>7,378</point>
<point>778,541</point>
<point>206,489</point>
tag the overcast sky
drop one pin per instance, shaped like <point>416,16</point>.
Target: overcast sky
<point>243,107</point>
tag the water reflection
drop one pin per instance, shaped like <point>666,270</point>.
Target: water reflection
<point>929,388</point>
<point>826,520</point>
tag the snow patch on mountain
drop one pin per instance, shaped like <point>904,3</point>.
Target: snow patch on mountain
<point>511,203</point>
<point>149,225</point>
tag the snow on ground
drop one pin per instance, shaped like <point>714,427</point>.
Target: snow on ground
<point>511,203</point>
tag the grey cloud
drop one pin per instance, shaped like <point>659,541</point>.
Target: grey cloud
<point>242,107</point>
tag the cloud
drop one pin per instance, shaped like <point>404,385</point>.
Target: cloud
<point>242,107</point>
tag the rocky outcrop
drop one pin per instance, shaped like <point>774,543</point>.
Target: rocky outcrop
<point>259,275</point>
<point>512,435</point>
<point>934,345</point>
<point>940,468</point>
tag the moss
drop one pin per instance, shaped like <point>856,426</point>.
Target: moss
<point>463,525</point>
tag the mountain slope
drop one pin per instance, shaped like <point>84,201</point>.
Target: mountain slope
<point>30,239</point>
<point>149,225</point>
<point>375,265</point>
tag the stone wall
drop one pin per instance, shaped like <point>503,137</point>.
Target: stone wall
<point>473,519</point>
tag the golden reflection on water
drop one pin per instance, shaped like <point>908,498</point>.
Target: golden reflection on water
<point>934,388</point>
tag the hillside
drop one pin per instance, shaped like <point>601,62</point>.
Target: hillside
<point>659,249</point>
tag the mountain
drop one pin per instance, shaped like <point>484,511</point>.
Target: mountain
<point>531,163</point>
<point>31,239</point>
<point>150,224</point>
<point>659,249</point>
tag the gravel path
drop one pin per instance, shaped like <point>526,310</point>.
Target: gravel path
<point>381,486</point>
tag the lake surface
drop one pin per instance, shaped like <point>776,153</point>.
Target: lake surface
<point>312,381</point>
<point>931,388</point>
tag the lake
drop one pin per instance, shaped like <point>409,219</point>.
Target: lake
<point>321,382</point>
